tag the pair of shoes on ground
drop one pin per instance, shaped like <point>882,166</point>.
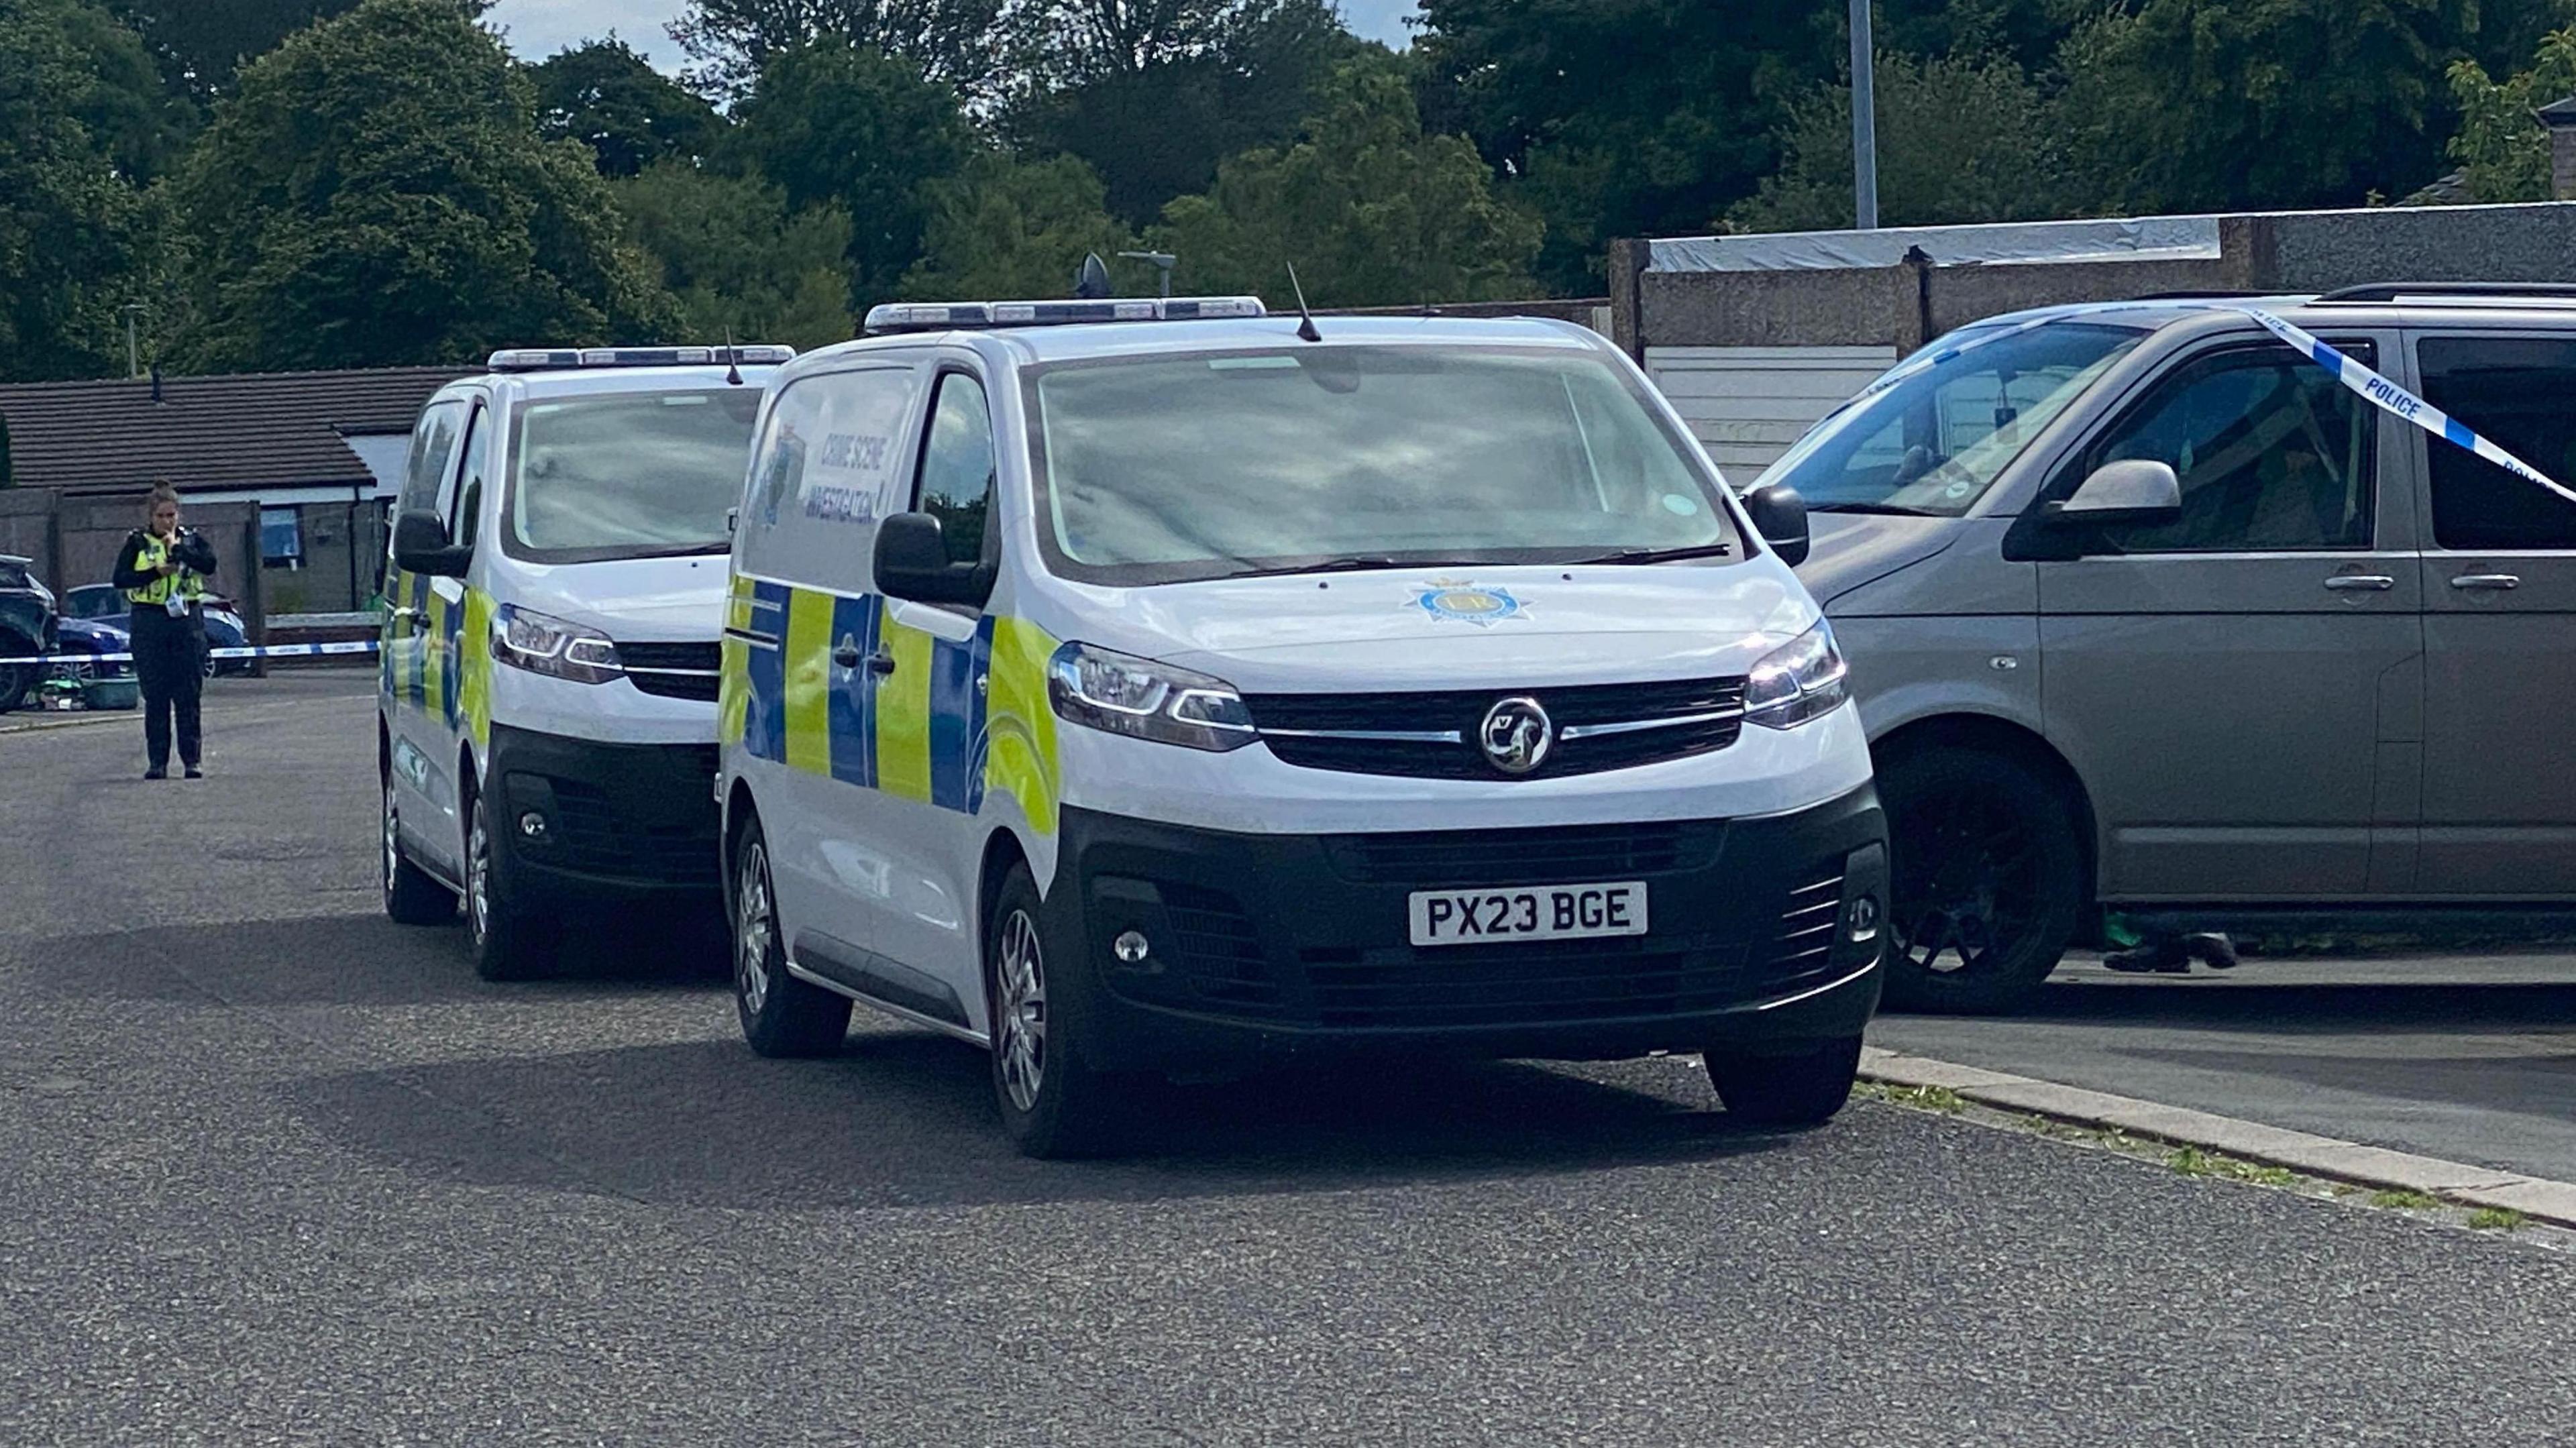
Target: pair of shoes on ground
<point>192,771</point>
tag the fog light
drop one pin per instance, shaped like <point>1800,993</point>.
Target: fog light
<point>1130,947</point>
<point>532,825</point>
<point>1864,919</point>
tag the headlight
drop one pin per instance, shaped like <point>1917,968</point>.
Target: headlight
<point>543,645</point>
<point>1146,700</point>
<point>1802,679</point>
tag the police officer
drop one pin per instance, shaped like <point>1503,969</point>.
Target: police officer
<point>163,569</point>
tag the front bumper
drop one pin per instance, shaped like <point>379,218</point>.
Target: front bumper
<point>1296,944</point>
<point>619,820</point>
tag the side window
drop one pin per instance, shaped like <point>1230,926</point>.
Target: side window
<point>462,503</point>
<point>956,485</point>
<point>2520,391</point>
<point>832,458</point>
<point>2274,454</point>
<point>433,447</point>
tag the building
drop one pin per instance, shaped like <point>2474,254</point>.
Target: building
<point>306,463</point>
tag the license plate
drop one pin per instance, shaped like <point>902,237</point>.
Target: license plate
<point>1535,912</point>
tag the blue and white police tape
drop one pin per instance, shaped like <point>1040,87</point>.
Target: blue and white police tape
<point>2373,388</point>
<point>265,651</point>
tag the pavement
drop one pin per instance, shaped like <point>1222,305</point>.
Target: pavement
<point>281,1171</point>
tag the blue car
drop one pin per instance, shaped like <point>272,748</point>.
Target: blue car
<point>103,603</point>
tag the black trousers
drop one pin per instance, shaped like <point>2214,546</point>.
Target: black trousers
<point>169,661</point>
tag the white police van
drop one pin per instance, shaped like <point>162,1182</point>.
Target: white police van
<point>1134,687</point>
<point>546,716</point>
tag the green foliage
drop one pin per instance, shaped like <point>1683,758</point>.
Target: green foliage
<point>374,192</point>
<point>2501,145</point>
<point>602,94</point>
<point>1370,209</point>
<point>1621,117</point>
<point>1009,228</point>
<point>736,259</point>
<point>1961,139</point>
<point>2206,105</point>
<point>202,43</point>
<point>73,225</point>
<point>837,123</point>
<point>1153,97</point>
<point>733,42</point>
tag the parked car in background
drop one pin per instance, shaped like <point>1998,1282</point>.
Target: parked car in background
<point>26,631</point>
<point>19,573</point>
<point>105,603</point>
<point>2149,612</point>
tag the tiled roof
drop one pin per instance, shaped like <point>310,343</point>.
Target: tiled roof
<point>251,429</point>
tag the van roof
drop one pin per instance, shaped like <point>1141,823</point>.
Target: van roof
<point>1059,343</point>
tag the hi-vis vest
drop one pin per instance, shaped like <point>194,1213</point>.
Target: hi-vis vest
<point>186,582</point>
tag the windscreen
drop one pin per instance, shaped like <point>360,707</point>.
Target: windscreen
<point>1933,443</point>
<point>628,474</point>
<point>1167,469</point>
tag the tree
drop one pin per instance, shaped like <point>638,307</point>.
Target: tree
<point>1960,139</point>
<point>604,95</point>
<point>835,123</point>
<point>1621,117</point>
<point>2503,147</point>
<point>374,192</point>
<point>72,221</point>
<point>737,260</point>
<point>202,43</point>
<point>1371,210</point>
<point>732,42</point>
<point>1009,228</point>
<point>1153,93</point>
<point>2207,105</point>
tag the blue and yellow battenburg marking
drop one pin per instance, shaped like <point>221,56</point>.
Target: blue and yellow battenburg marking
<point>952,718</point>
<point>449,671</point>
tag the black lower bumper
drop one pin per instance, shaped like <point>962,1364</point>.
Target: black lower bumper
<point>618,821</point>
<point>1292,944</point>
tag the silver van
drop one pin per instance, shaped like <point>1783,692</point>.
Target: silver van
<point>2147,611</point>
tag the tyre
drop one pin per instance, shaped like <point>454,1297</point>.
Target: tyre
<point>1798,1090</point>
<point>781,1015</point>
<point>1989,881</point>
<point>1053,1102</point>
<point>411,896</point>
<point>16,680</point>
<point>509,942</point>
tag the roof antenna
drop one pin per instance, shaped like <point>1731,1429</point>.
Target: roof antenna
<point>733,364</point>
<point>1305,319</point>
<point>1091,279</point>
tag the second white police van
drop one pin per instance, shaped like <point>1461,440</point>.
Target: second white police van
<point>1146,687</point>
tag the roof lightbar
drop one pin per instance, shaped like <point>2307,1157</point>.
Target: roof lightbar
<point>547,359</point>
<point>974,316</point>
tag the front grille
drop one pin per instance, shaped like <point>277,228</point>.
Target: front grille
<point>1514,985</point>
<point>1329,731</point>
<point>593,837</point>
<point>1800,944</point>
<point>1219,952</point>
<point>674,671</point>
<point>1556,855</point>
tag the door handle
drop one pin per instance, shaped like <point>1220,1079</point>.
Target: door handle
<point>2361,583</point>
<point>880,663</point>
<point>847,655</point>
<point>2487,582</point>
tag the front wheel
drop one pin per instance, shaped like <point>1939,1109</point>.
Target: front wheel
<point>1989,880</point>
<point>1805,1089</point>
<point>509,943</point>
<point>1053,1102</point>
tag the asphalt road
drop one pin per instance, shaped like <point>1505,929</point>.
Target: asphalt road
<point>280,1171</point>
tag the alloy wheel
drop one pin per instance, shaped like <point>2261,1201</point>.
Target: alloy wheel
<point>1967,882</point>
<point>1020,1015</point>
<point>392,859</point>
<point>478,878</point>
<point>754,930</point>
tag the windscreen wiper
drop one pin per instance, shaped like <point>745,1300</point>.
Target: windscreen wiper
<point>1357,564</point>
<point>1661,555</point>
<point>1886,510</point>
<point>692,550</point>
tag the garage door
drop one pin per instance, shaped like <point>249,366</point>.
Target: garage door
<point>1748,404</point>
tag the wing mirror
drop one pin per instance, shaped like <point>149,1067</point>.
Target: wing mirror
<point>1780,516</point>
<point>912,563</point>
<point>421,546</point>
<point>2134,490</point>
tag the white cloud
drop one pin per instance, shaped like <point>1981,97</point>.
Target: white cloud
<point>539,28</point>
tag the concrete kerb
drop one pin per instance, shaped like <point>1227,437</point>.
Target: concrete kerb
<point>2319,1156</point>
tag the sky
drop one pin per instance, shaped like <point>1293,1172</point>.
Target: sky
<point>539,28</point>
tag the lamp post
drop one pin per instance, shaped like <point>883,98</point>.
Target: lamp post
<point>133,358</point>
<point>1864,121</point>
<point>1163,262</point>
